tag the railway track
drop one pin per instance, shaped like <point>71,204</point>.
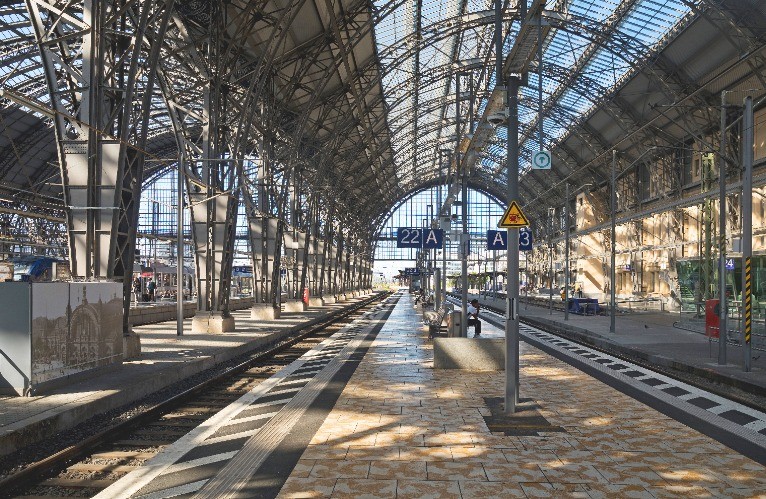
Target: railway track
<point>746,398</point>
<point>735,418</point>
<point>86,468</point>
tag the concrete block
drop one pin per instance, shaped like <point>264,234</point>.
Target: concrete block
<point>328,300</point>
<point>315,302</point>
<point>131,346</point>
<point>264,312</point>
<point>294,306</point>
<point>474,354</point>
<point>212,323</point>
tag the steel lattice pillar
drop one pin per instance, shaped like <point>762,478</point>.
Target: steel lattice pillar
<point>213,215</point>
<point>99,60</point>
<point>263,232</point>
<point>211,128</point>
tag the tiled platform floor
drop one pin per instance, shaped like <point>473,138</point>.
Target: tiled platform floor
<point>401,429</point>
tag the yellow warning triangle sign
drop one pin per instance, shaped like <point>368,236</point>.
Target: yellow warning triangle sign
<point>513,218</point>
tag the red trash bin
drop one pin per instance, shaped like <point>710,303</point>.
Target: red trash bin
<point>712,318</point>
<point>306,296</point>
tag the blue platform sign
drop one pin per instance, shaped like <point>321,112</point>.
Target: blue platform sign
<point>498,240</point>
<point>409,237</point>
<point>433,239</point>
<point>412,271</point>
<point>525,239</point>
<point>413,237</point>
<point>729,264</point>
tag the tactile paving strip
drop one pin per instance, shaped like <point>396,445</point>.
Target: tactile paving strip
<point>718,411</point>
<point>189,464</point>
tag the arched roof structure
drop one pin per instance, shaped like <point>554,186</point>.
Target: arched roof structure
<point>360,97</point>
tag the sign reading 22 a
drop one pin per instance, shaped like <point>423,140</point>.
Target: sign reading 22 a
<point>412,237</point>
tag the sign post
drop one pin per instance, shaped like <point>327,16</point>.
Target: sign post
<point>512,268</point>
<point>513,218</point>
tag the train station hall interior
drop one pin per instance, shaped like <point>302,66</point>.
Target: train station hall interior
<point>268,248</point>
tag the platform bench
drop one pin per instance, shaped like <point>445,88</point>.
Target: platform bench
<point>434,319</point>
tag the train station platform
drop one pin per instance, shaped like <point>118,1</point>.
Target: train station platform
<point>365,415</point>
<point>651,337</point>
<point>165,359</point>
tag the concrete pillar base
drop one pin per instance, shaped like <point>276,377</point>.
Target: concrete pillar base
<point>473,354</point>
<point>131,346</point>
<point>328,300</point>
<point>316,302</point>
<point>294,306</point>
<point>206,322</point>
<point>264,312</point>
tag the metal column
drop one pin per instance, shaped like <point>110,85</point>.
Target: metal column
<point>464,213</point>
<point>723,326</point>
<point>551,245</point>
<point>566,254</point>
<point>100,61</point>
<point>180,252</point>
<point>512,278</point>
<point>612,272</point>
<point>747,229</point>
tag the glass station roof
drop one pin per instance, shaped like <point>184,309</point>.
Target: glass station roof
<point>592,46</point>
<point>591,49</point>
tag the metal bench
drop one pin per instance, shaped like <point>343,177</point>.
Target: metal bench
<point>434,319</point>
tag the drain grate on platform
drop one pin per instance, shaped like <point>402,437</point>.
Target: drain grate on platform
<point>526,422</point>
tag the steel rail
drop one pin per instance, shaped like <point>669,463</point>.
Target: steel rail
<point>32,473</point>
<point>684,376</point>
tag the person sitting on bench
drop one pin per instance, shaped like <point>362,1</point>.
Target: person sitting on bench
<point>473,317</point>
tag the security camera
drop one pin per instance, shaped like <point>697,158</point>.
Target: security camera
<point>497,118</point>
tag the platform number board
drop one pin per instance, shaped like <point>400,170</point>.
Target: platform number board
<point>525,239</point>
<point>498,240</point>
<point>413,237</point>
<point>433,239</point>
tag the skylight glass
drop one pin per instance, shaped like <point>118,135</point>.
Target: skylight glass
<point>600,43</point>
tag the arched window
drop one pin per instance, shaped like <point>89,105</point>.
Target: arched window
<point>419,210</point>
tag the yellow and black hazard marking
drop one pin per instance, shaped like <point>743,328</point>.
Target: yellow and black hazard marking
<point>748,299</point>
